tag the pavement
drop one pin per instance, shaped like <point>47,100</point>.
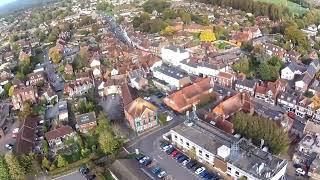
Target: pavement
<point>149,144</point>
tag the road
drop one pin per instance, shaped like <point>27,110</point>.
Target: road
<point>71,176</point>
<point>149,144</point>
<point>8,138</point>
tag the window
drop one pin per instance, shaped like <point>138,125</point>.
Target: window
<point>138,124</point>
<point>207,156</point>
<point>237,173</point>
<point>175,136</point>
<point>200,152</point>
<point>229,168</point>
<point>187,144</point>
<point>181,140</point>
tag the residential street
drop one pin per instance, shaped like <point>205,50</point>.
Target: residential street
<point>72,176</point>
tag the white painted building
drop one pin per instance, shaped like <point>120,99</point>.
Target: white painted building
<point>174,77</point>
<point>174,55</point>
<point>227,154</point>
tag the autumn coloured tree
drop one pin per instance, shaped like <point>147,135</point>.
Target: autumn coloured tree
<point>55,55</point>
<point>207,36</point>
<point>16,171</point>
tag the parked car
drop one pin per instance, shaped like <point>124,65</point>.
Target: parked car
<point>147,162</point>
<point>185,162</point>
<point>9,146</point>
<point>179,155</point>
<point>169,151</point>
<point>194,168</point>
<point>175,153</point>
<point>91,176</point>
<point>163,144</point>
<point>200,170</point>
<point>300,172</point>
<point>141,161</point>
<point>167,147</point>
<point>156,170</point>
<point>84,170</point>
<point>181,159</point>
<point>191,164</point>
<point>162,174</point>
<point>203,173</point>
<point>139,157</point>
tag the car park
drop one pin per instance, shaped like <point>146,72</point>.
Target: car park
<point>162,174</point>
<point>156,170</point>
<point>200,170</point>
<point>163,144</point>
<point>194,168</point>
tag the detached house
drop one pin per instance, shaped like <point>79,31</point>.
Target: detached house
<point>269,92</point>
<point>56,137</point>
<point>141,115</point>
<point>307,76</point>
<point>23,94</point>
<point>293,69</point>
<point>273,50</point>
<point>86,122</point>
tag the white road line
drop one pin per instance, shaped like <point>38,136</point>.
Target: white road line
<point>65,175</point>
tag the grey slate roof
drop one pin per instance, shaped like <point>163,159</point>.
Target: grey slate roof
<point>170,71</point>
<point>246,82</point>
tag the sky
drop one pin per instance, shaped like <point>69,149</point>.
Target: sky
<point>4,2</point>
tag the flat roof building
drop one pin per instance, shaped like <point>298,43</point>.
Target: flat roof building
<point>228,154</point>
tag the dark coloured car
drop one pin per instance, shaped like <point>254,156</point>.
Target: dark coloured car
<point>91,177</point>
<point>181,159</point>
<point>139,157</point>
<point>194,168</point>
<point>84,170</point>
<point>208,177</point>
<point>169,151</point>
<point>147,162</point>
<point>191,164</point>
<point>156,170</point>
<point>179,156</point>
<point>163,144</point>
<point>203,173</point>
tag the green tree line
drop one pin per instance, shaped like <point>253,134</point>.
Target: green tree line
<point>258,128</point>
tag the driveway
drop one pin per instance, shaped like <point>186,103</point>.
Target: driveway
<point>149,145</point>
<point>8,138</point>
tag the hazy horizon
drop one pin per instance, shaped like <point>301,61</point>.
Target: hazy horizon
<point>4,2</point>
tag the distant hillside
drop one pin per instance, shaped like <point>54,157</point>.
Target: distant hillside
<point>21,4</point>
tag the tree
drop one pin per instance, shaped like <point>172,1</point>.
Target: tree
<point>55,55</point>
<point>185,17</point>
<point>158,5</point>
<point>169,31</point>
<point>266,72</point>
<point>242,66</point>
<point>207,36</point>
<point>26,111</point>
<point>45,146</point>
<point>108,143</point>
<point>169,14</point>
<point>16,171</point>
<point>61,161</point>
<point>95,28</point>
<point>26,162</point>
<point>4,171</point>
<point>10,91</point>
<point>103,123</point>
<point>45,163</point>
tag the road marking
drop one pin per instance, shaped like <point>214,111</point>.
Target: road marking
<point>64,175</point>
<point>160,157</point>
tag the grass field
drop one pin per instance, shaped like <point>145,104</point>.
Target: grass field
<point>295,8</point>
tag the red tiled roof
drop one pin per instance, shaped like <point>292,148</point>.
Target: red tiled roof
<point>59,132</point>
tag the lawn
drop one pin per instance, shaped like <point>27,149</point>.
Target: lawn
<point>295,8</point>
